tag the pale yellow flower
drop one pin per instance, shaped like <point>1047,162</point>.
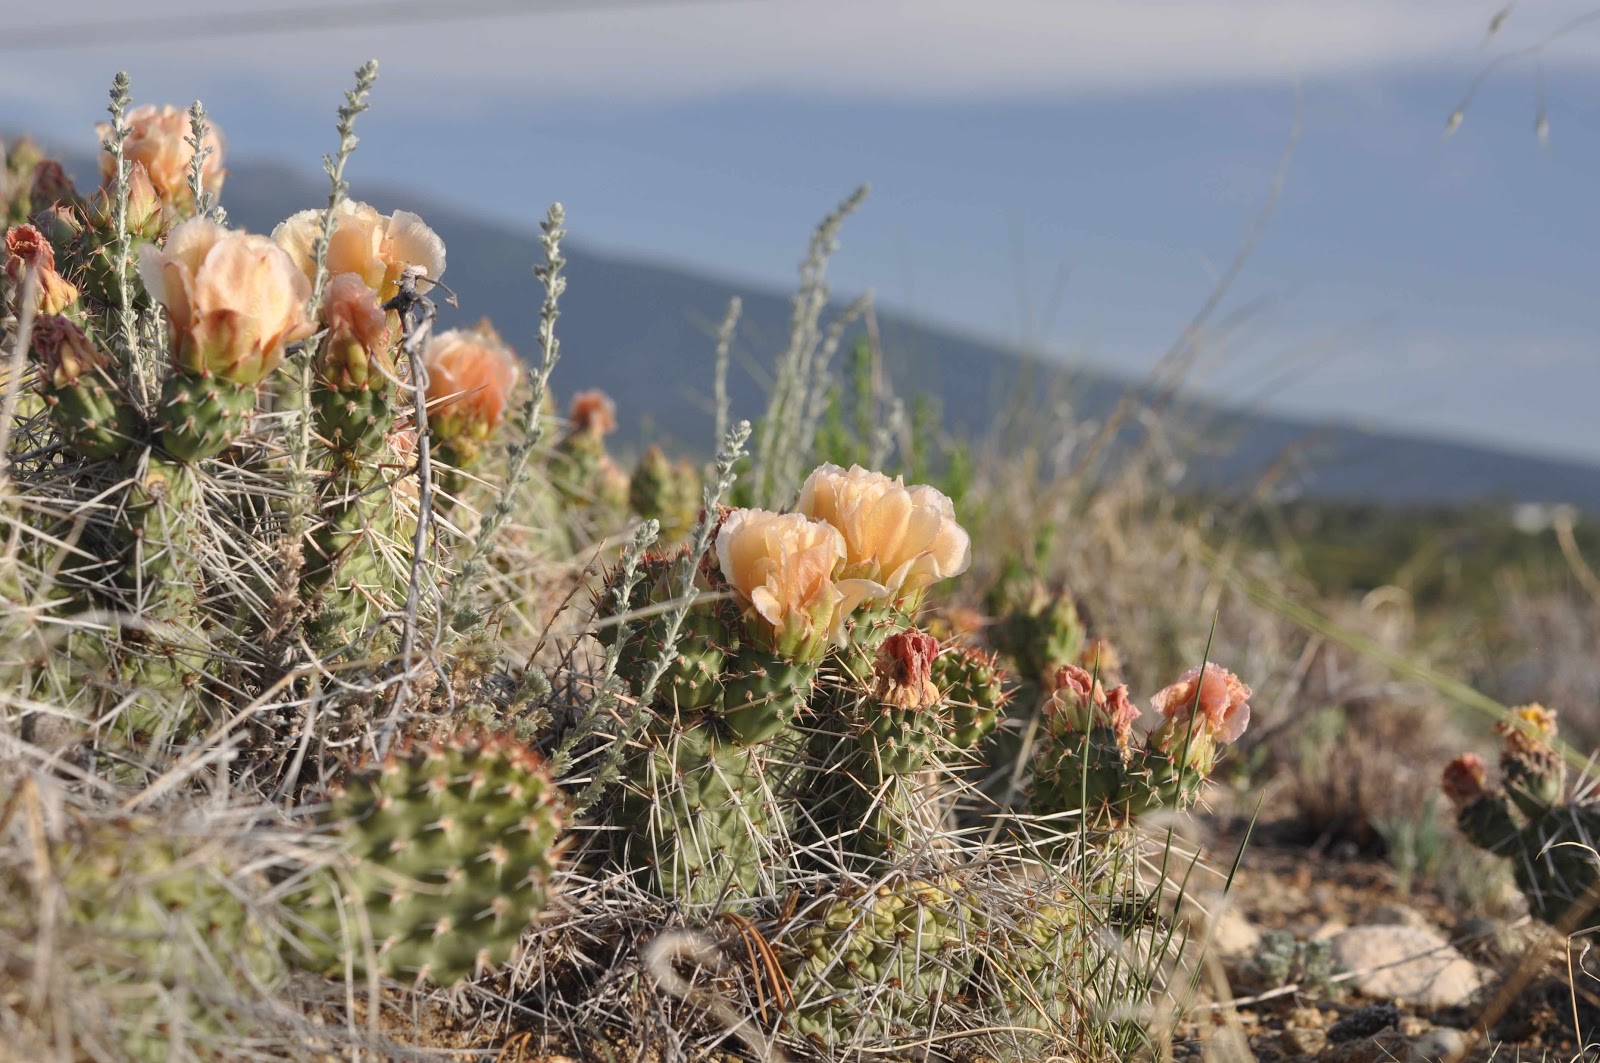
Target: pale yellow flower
<point>234,299</point>
<point>378,248</point>
<point>782,566</point>
<point>902,538</point>
<point>157,140</point>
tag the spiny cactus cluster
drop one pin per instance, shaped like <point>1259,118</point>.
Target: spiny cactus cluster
<point>802,723</point>
<point>1090,764</point>
<point>263,504</point>
<point>162,924</point>
<point>1529,816</point>
<point>448,852</point>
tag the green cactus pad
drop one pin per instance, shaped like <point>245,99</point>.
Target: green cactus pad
<point>93,417</point>
<point>880,965</point>
<point>353,421</point>
<point>1038,627</point>
<point>1090,774</point>
<point>702,813</point>
<point>449,851</point>
<point>762,694</point>
<point>199,418</point>
<point>665,491</point>
<point>164,929</point>
<point>974,685</point>
<point>692,682</point>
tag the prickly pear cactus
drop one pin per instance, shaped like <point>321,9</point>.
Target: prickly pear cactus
<point>1038,947</point>
<point>706,821</point>
<point>1549,836</point>
<point>449,848</point>
<point>1090,765</point>
<point>1037,626</point>
<point>880,964</point>
<point>693,680</point>
<point>169,936</point>
<point>665,491</point>
<point>86,402</point>
<point>976,687</point>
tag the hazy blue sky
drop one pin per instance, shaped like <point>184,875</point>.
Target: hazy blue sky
<point>1444,286</point>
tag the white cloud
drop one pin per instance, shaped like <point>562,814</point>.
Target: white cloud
<point>914,49</point>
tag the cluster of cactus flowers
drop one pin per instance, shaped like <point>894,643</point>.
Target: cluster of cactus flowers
<point>232,432</point>
<point>1530,816</point>
<point>802,723</point>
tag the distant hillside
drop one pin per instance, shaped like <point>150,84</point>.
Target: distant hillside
<point>643,332</point>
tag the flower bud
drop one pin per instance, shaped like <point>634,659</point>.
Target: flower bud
<point>592,413</point>
<point>1529,729</point>
<point>1465,779</point>
<point>64,353</point>
<point>471,375</point>
<point>356,351</point>
<point>1079,704</point>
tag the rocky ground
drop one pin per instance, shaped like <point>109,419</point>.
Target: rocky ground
<point>1325,959</point>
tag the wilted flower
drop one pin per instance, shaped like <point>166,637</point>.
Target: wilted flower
<point>1465,779</point>
<point>903,539</point>
<point>1529,730</point>
<point>378,248</point>
<point>1216,697</point>
<point>471,374</point>
<point>356,351</point>
<point>63,352</point>
<point>783,566</point>
<point>903,673</point>
<point>158,141</point>
<point>592,413</point>
<point>1080,703</point>
<point>235,300</point>
<point>27,249</point>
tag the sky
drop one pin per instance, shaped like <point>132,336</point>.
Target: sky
<point>1068,176</point>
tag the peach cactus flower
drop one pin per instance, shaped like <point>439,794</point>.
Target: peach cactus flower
<point>593,413</point>
<point>1215,695</point>
<point>357,348</point>
<point>27,248</point>
<point>378,248</point>
<point>902,538</point>
<point>158,141</point>
<point>782,567</point>
<point>235,300</point>
<point>471,375</point>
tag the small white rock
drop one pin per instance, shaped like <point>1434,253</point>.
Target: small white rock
<point>1389,964</point>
